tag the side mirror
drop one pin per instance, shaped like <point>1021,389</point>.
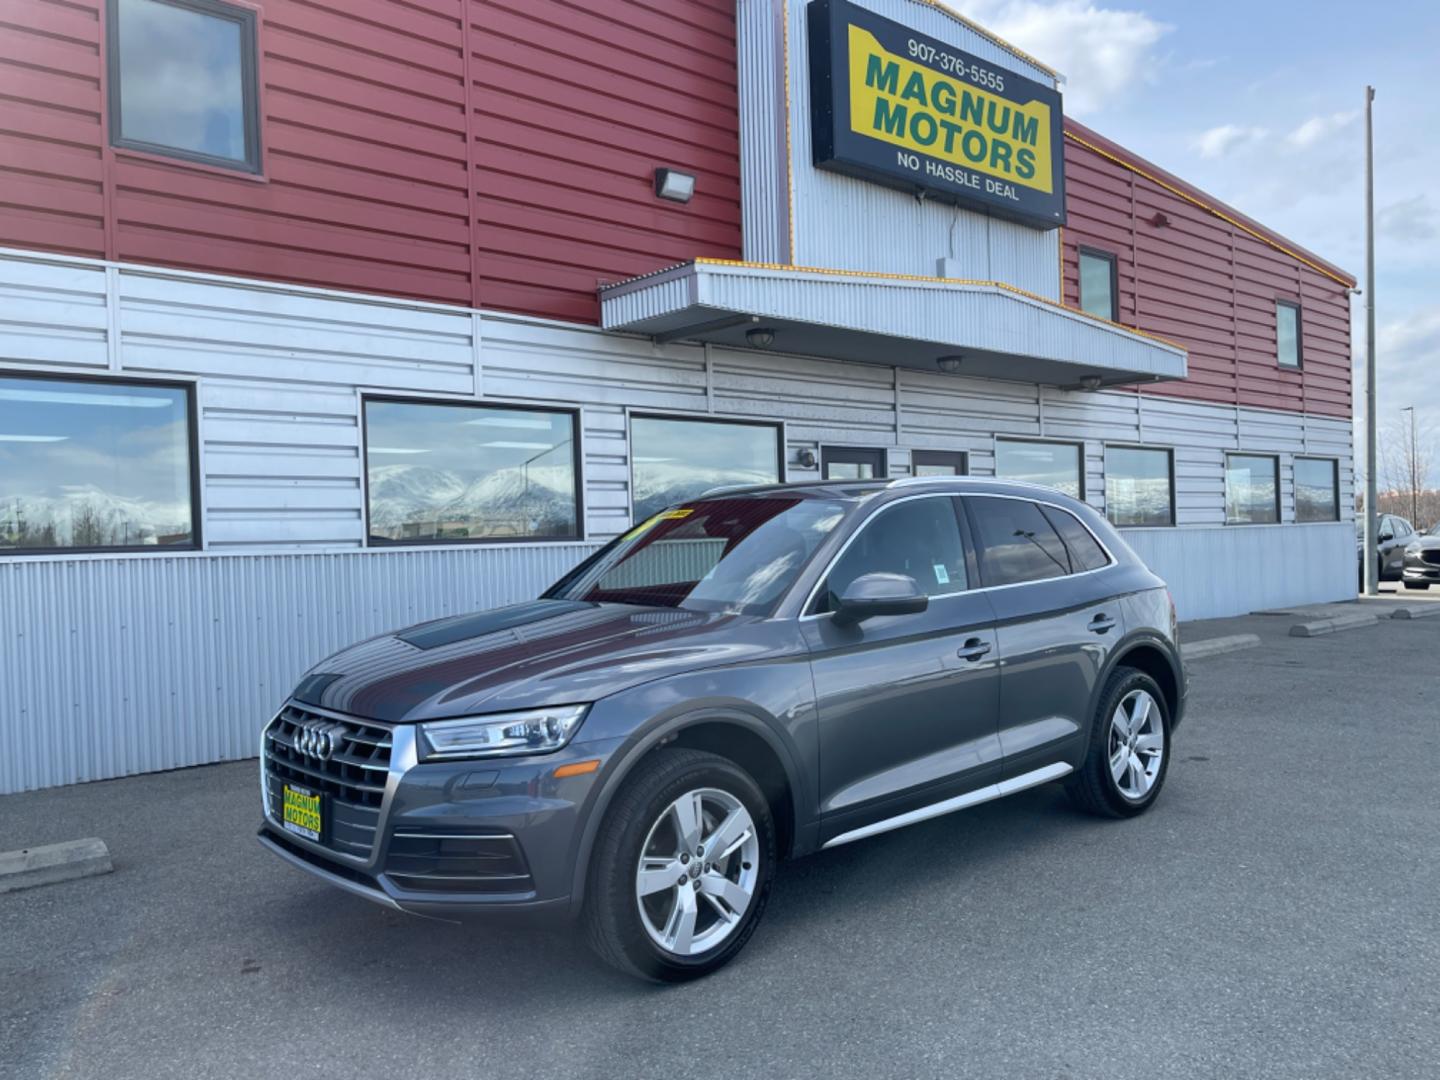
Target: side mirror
<point>879,593</point>
<point>1385,537</point>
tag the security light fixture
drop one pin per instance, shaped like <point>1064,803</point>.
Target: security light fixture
<point>805,458</point>
<point>674,185</point>
<point>1090,383</point>
<point>950,364</point>
<point>761,337</point>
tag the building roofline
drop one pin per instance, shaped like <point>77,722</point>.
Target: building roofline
<point>1092,140</point>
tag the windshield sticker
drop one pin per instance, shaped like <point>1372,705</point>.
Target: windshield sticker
<point>942,575</point>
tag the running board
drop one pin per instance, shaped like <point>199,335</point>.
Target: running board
<point>960,802</point>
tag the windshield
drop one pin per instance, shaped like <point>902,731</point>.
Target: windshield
<point>733,555</point>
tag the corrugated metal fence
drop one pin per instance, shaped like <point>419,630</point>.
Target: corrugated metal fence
<point>116,666</point>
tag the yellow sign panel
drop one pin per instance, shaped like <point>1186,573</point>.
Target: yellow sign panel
<point>895,99</point>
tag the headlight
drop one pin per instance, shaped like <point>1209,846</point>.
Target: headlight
<point>1414,547</point>
<point>534,731</point>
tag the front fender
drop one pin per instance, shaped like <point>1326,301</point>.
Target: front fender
<point>786,723</point>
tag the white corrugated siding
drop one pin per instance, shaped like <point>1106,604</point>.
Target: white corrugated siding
<point>113,665</point>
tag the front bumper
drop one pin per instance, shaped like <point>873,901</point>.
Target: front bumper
<point>1418,568</point>
<point>451,840</point>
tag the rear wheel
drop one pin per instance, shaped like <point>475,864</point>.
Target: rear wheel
<point>1129,752</point>
<point>682,867</point>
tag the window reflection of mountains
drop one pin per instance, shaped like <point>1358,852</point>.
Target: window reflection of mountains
<point>84,517</point>
<point>418,502</point>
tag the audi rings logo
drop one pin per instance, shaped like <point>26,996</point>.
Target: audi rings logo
<point>318,741</point>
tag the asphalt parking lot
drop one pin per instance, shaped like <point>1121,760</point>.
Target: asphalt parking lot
<point>1276,915</point>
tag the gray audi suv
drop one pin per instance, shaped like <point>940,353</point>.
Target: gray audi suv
<point>755,675</point>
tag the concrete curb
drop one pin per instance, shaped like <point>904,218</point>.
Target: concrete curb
<point>1426,612</point>
<point>1334,624</point>
<point>1199,650</point>
<point>28,867</point>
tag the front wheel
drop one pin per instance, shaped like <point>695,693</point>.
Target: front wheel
<point>1129,752</point>
<point>682,867</point>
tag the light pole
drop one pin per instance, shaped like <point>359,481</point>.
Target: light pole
<point>1414,470</point>
<point>1372,568</point>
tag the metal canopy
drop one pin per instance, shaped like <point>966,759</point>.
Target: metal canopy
<point>1001,332</point>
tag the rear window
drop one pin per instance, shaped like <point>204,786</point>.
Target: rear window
<point>1016,542</point>
<point>1085,551</point>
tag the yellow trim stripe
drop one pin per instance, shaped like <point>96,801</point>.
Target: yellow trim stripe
<point>1192,200</point>
<point>993,38</point>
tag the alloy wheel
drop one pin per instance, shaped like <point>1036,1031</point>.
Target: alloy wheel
<point>697,872</point>
<point>1137,744</point>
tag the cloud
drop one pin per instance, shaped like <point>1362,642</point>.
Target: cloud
<point>1409,219</point>
<point>1103,52</point>
<point>1317,128</point>
<point>1219,141</point>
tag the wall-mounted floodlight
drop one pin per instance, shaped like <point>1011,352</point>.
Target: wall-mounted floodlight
<point>1090,383</point>
<point>951,365</point>
<point>674,185</point>
<point>762,337</point>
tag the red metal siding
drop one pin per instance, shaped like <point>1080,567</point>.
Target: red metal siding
<point>1207,282</point>
<point>375,113</point>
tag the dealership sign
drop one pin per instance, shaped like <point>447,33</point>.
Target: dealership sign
<point>899,108</point>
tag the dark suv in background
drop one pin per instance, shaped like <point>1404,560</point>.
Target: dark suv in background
<point>757,674</point>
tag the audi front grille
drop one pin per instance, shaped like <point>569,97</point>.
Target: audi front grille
<point>349,766</point>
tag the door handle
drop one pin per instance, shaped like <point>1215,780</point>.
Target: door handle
<point>1102,624</point>
<point>973,649</point>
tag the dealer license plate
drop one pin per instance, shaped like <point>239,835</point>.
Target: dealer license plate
<point>301,813</point>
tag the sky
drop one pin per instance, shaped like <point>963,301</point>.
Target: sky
<point>1261,104</point>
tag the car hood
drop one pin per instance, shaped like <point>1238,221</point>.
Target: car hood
<point>1425,541</point>
<point>545,652</point>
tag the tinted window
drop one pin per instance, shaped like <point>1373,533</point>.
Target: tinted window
<point>1016,542</point>
<point>938,463</point>
<point>469,472</point>
<point>1402,527</point>
<point>1287,334</point>
<point>851,463</point>
<point>675,459</point>
<point>1137,486</point>
<point>917,537</point>
<point>1316,490</point>
<point>1097,284</point>
<point>1085,551</point>
<point>94,464</point>
<point>1055,465</point>
<point>1251,489</point>
<point>183,79</point>
<point>720,554</point>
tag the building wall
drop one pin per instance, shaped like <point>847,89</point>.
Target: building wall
<point>125,663</point>
<point>475,152</point>
<point>1208,282</point>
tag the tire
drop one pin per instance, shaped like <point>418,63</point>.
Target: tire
<point>625,928</point>
<point>1417,585</point>
<point>1096,788</point>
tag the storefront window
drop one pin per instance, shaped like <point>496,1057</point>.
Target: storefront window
<point>440,472</point>
<point>939,463</point>
<point>1138,490</point>
<point>675,458</point>
<point>1317,489</point>
<point>94,464</point>
<point>1055,465</point>
<point>183,80</point>
<point>1252,489</point>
